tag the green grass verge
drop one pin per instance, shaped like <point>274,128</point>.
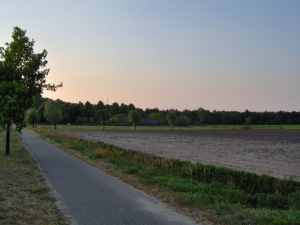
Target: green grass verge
<point>24,195</point>
<point>202,127</point>
<point>222,195</point>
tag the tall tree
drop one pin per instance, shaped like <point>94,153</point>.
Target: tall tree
<point>100,105</point>
<point>88,110</point>
<point>131,107</point>
<point>52,112</point>
<point>102,114</point>
<point>124,108</point>
<point>202,113</point>
<point>134,118</point>
<point>32,116</point>
<point>22,78</point>
<point>115,109</point>
<point>171,118</point>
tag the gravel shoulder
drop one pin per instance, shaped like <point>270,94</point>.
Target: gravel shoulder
<point>274,152</point>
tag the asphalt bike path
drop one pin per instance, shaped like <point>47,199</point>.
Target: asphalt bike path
<point>89,196</point>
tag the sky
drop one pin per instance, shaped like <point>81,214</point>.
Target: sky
<point>219,55</point>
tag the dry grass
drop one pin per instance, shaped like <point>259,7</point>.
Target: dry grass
<point>24,195</point>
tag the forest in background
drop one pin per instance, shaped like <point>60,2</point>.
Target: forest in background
<point>117,113</point>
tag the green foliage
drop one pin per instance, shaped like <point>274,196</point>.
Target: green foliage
<point>85,119</point>
<point>22,78</point>
<point>186,113</point>
<point>248,120</point>
<point>100,105</point>
<point>278,120</point>
<point>115,109</point>
<point>88,110</point>
<point>66,118</point>
<point>79,119</point>
<point>131,107</point>
<point>134,118</point>
<point>171,118</point>
<point>32,116</point>
<point>124,108</point>
<point>202,114</point>
<point>157,116</point>
<point>52,112</point>
<point>102,114</point>
<point>182,121</point>
<point>117,119</point>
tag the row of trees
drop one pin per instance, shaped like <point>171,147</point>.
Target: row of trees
<point>116,114</point>
<point>23,79</point>
<point>53,114</point>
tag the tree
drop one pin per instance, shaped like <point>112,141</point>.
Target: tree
<point>117,119</point>
<point>88,110</point>
<point>248,120</point>
<point>130,107</point>
<point>85,119</point>
<point>182,121</point>
<point>65,118</point>
<point>115,109</point>
<point>171,118</point>
<point>52,112</point>
<point>186,113</point>
<point>32,116</point>
<point>22,79</point>
<point>134,118</point>
<point>74,111</point>
<point>102,114</point>
<point>79,119</point>
<point>202,113</point>
<point>124,108</point>
<point>157,116</point>
<point>100,105</point>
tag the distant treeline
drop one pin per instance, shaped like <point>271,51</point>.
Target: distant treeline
<point>92,113</point>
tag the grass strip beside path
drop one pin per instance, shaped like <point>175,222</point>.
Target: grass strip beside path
<point>241,198</point>
<point>182,128</point>
<point>24,194</point>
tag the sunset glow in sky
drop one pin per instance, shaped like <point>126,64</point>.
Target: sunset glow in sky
<point>222,55</point>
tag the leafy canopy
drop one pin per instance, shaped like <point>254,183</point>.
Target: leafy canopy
<point>22,78</point>
<point>53,112</point>
<point>171,117</point>
<point>134,118</point>
<point>32,116</point>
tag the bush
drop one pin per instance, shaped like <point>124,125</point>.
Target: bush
<point>182,121</point>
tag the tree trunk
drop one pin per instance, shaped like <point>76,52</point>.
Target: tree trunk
<point>7,138</point>
<point>134,126</point>
<point>55,126</point>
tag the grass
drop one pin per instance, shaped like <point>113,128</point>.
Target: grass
<point>24,195</point>
<point>202,127</point>
<point>216,195</point>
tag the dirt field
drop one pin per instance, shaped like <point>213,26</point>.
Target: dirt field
<point>275,152</point>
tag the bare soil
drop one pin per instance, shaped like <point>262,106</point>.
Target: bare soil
<point>274,152</point>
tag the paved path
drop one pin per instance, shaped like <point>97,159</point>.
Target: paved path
<point>93,197</point>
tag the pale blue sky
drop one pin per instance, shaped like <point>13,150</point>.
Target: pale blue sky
<point>223,55</point>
